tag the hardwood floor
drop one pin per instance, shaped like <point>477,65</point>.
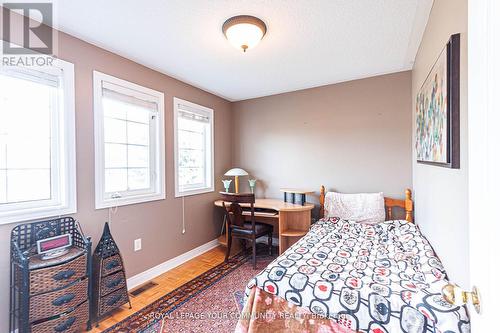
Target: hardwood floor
<point>166,283</point>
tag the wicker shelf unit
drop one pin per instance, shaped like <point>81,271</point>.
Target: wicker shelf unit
<point>110,282</point>
<point>50,295</point>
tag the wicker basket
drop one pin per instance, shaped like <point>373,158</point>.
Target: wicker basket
<point>113,301</point>
<point>51,304</point>
<point>50,278</point>
<point>111,265</point>
<point>112,282</point>
<point>72,322</point>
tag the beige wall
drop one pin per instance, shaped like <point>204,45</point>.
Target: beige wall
<point>157,223</point>
<point>351,137</point>
<point>441,193</point>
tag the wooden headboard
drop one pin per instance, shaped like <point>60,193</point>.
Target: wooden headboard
<point>406,204</point>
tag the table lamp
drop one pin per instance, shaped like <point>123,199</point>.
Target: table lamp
<point>236,172</point>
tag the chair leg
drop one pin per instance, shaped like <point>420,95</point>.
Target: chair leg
<point>270,243</point>
<point>254,253</point>
<point>228,247</point>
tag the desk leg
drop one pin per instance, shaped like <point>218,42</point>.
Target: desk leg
<point>292,226</point>
<point>223,227</point>
<point>223,232</point>
<point>226,233</point>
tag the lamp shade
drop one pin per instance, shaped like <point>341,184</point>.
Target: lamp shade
<point>244,31</point>
<point>236,172</point>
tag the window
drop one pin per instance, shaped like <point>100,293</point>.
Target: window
<point>194,150</point>
<point>129,142</point>
<point>37,142</point>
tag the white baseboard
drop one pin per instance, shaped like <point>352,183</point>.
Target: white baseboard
<point>153,272</point>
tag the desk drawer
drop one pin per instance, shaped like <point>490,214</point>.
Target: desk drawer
<point>51,304</point>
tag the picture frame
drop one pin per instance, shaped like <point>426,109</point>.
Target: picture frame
<point>438,110</point>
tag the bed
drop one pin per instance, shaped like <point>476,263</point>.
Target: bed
<point>346,276</point>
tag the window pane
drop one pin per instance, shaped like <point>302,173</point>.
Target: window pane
<point>28,154</point>
<point>191,125</point>
<point>191,158</point>
<point>138,179</point>
<point>115,155</point>
<point>129,127</point>
<point>25,143</point>
<point>115,130</point>
<point>36,171</point>
<point>138,114</point>
<point>21,115</point>
<point>138,157</point>
<point>3,151</point>
<point>189,176</point>
<point>193,140</point>
<point>193,150</point>
<point>27,185</point>
<point>138,134</point>
<point>115,180</point>
<point>4,128</point>
<point>3,187</point>
<point>114,109</point>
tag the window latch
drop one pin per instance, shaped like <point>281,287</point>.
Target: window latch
<point>116,196</point>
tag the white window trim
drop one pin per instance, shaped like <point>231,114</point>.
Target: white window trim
<point>160,194</point>
<point>67,163</point>
<point>208,189</point>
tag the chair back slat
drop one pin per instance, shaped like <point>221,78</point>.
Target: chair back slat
<point>238,197</point>
<point>233,209</point>
<point>234,214</point>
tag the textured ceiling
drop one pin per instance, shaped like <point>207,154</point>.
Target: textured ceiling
<point>309,42</point>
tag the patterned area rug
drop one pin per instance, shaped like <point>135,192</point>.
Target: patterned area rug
<point>210,302</point>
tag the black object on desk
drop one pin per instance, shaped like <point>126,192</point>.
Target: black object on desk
<point>295,196</point>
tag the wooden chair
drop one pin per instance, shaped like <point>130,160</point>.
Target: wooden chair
<point>237,227</point>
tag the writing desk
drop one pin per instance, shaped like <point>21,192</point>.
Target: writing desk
<point>292,221</point>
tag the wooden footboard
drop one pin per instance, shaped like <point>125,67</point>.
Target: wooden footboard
<point>406,204</point>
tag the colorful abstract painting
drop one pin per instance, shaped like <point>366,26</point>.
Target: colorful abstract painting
<point>432,115</point>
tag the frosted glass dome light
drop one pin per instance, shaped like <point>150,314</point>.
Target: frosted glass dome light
<point>243,31</point>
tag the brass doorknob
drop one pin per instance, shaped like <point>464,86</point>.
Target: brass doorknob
<point>455,295</point>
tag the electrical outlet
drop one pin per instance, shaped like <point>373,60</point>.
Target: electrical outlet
<point>138,244</point>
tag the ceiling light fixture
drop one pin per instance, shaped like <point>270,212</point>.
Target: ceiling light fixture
<point>244,31</point>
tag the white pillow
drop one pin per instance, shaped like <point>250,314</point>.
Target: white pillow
<point>359,207</point>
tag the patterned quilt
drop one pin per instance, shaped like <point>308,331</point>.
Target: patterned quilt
<point>369,278</point>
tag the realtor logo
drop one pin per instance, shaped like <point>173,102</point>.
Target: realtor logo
<point>27,28</point>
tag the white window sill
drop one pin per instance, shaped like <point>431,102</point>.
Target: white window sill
<point>193,192</point>
<point>116,202</point>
